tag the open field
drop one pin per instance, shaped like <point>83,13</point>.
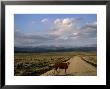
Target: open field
<point>35,64</point>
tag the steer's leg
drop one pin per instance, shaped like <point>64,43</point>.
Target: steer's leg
<point>65,71</point>
<point>55,70</point>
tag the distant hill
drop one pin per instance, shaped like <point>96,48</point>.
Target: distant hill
<point>52,49</point>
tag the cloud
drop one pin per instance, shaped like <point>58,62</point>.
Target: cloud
<point>58,31</point>
<point>24,39</point>
<point>87,31</point>
<point>62,33</point>
<point>66,22</point>
<point>62,26</point>
<point>45,20</point>
<point>90,27</point>
<point>58,21</point>
<point>32,39</point>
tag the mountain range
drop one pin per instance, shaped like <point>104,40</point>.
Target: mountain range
<point>53,49</point>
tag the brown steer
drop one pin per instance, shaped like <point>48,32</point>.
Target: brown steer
<point>61,66</point>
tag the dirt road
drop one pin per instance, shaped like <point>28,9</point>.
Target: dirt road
<point>77,67</point>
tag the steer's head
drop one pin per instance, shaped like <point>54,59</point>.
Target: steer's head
<point>68,63</point>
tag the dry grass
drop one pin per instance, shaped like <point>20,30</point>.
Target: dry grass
<point>35,64</point>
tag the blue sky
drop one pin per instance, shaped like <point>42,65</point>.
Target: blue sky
<point>55,29</point>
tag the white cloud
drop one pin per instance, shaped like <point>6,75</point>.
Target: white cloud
<point>90,27</point>
<point>59,31</point>
<point>75,34</point>
<point>66,22</point>
<point>63,26</point>
<point>58,21</point>
<point>45,20</point>
<point>62,32</point>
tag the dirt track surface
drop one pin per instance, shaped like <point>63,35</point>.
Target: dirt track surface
<point>77,67</point>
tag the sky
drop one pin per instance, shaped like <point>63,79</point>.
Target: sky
<point>59,30</point>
